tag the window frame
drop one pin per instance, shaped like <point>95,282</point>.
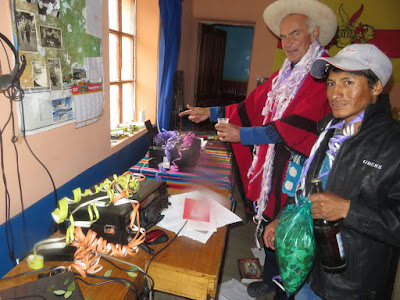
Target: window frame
<point>120,82</point>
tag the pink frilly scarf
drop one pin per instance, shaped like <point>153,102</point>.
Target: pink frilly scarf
<point>284,89</point>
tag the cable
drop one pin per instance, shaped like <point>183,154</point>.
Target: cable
<point>138,269</point>
<point>27,273</point>
<point>25,297</point>
<point>145,291</point>
<point>14,93</point>
<point>14,139</point>
<point>23,114</point>
<point>34,155</point>
<point>7,197</point>
<point>20,98</point>
<point>127,283</point>
<point>162,249</point>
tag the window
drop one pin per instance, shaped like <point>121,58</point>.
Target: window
<point>122,45</point>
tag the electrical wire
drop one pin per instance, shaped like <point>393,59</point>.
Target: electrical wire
<point>127,283</point>
<point>27,273</point>
<point>15,93</point>
<point>23,114</point>
<point>23,129</point>
<point>162,249</point>
<point>14,139</point>
<point>7,197</point>
<point>158,252</point>
<point>138,269</point>
<point>25,297</point>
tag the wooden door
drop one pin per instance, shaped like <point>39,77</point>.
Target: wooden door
<point>210,66</point>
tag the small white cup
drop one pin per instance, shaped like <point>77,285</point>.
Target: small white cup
<point>223,120</point>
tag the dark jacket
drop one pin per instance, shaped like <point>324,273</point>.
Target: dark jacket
<point>366,171</point>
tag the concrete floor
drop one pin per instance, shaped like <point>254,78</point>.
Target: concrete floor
<point>239,242</point>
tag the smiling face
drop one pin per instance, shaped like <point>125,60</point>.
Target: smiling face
<point>349,94</point>
<point>296,37</point>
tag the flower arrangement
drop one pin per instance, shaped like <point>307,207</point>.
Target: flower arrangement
<point>180,150</point>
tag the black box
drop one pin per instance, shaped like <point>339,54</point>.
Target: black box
<point>113,223</point>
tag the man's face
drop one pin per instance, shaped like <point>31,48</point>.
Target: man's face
<point>349,94</point>
<point>295,36</point>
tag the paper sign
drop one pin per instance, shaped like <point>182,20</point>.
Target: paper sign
<point>198,210</point>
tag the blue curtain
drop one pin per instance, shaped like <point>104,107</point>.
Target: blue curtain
<point>170,11</point>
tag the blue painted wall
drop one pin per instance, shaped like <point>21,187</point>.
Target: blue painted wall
<point>239,41</point>
<point>34,224</point>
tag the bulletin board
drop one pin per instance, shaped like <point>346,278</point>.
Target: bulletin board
<point>62,82</point>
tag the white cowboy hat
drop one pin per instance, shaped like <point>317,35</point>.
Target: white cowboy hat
<point>321,14</point>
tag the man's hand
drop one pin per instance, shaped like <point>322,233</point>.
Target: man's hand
<point>228,132</point>
<point>329,206</point>
<point>196,114</point>
<point>269,234</point>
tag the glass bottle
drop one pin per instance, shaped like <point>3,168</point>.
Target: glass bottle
<point>328,238</point>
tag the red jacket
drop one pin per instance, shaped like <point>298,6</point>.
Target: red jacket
<point>297,128</point>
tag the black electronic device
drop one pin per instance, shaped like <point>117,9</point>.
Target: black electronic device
<point>7,80</point>
<point>58,254</point>
<point>113,223</point>
<point>44,288</point>
<point>151,131</point>
<point>53,254</point>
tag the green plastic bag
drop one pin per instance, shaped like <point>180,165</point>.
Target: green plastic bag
<point>295,244</point>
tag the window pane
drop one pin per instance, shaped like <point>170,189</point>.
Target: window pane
<point>127,58</point>
<point>114,105</point>
<point>114,58</point>
<point>113,14</point>
<point>128,100</point>
<point>127,16</point>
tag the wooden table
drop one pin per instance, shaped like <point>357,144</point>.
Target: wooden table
<point>186,268</point>
<point>189,268</point>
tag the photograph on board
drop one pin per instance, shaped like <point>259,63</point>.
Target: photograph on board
<point>51,37</point>
<point>26,27</point>
<point>55,73</point>
<point>39,74</point>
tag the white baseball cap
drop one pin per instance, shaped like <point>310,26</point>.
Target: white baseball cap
<point>356,57</point>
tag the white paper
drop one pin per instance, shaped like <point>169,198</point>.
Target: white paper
<point>46,110</point>
<point>233,290</point>
<point>94,69</point>
<point>93,17</point>
<point>88,108</point>
<point>173,216</point>
<point>260,254</point>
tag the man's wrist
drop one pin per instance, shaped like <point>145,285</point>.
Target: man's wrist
<point>346,208</point>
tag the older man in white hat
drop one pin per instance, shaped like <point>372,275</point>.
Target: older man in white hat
<point>277,122</point>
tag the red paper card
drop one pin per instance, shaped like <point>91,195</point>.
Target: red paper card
<point>198,210</point>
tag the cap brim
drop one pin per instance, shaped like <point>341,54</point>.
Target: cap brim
<point>346,64</point>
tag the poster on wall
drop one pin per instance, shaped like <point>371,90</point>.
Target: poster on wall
<point>61,41</point>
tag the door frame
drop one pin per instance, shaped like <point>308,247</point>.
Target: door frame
<point>212,22</point>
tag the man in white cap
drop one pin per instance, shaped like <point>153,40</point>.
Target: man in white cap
<point>277,122</point>
<point>357,158</point>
